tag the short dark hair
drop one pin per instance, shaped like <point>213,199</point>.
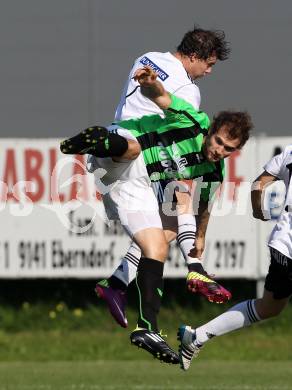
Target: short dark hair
<point>238,123</point>
<point>204,43</point>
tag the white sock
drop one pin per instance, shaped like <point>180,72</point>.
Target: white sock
<point>186,236</point>
<point>127,269</point>
<point>239,316</point>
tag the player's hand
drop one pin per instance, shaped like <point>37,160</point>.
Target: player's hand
<point>145,76</point>
<point>258,214</point>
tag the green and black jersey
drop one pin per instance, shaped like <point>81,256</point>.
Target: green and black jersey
<point>172,146</point>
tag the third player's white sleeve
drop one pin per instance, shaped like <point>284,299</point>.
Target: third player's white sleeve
<point>281,238</point>
<point>274,166</point>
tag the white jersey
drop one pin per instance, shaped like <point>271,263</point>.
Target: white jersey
<point>175,80</point>
<point>280,166</point>
<point>134,105</point>
<point>171,74</point>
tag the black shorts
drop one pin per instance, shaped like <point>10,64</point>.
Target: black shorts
<point>279,278</point>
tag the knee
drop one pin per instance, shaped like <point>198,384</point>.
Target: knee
<point>158,251</point>
<point>170,235</point>
<point>133,150</point>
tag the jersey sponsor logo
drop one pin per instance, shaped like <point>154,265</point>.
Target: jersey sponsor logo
<point>166,162</point>
<point>181,162</point>
<point>161,73</point>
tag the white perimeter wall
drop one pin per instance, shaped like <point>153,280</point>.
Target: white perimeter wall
<point>41,238</point>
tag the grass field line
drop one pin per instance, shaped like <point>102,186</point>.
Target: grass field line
<point>141,387</point>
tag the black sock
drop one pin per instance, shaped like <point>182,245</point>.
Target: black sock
<point>196,267</point>
<point>116,283</point>
<point>149,282</point>
<point>113,145</point>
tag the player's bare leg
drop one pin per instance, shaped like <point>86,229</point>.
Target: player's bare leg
<point>268,306</point>
<point>183,228</point>
<point>241,315</point>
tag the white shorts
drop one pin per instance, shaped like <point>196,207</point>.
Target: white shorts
<point>126,190</point>
<point>134,204</point>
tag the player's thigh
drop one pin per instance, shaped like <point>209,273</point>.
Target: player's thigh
<point>145,227</point>
<point>146,230</point>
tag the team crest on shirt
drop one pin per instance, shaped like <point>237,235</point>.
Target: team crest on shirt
<point>161,73</point>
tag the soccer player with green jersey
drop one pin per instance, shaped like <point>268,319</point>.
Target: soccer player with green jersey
<point>196,152</point>
<point>182,133</point>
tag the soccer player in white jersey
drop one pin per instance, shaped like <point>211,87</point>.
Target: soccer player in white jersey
<point>278,283</point>
<point>194,58</point>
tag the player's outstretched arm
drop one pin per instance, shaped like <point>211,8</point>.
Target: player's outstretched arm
<point>257,193</point>
<point>151,87</point>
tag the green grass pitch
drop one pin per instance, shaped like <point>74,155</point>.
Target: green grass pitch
<point>148,375</point>
<point>85,350</point>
